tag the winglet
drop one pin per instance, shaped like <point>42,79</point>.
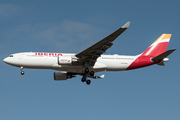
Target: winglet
<point>126,25</point>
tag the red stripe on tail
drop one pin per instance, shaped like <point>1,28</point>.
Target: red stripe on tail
<point>156,50</point>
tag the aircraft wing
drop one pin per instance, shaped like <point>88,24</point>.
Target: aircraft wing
<point>90,55</point>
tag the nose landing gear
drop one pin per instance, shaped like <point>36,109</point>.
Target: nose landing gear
<point>22,72</point>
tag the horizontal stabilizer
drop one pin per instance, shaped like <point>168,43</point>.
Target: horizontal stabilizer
<point>102,76</point>
<point>161,63</point>
<point>163,55</point>
<point>95,76</point>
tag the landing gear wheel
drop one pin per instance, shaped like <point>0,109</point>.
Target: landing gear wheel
<point>83,79</point>
<point>91,73</point>
<point>88,82</point>
<point>86,70</point>
<point>22,72</point>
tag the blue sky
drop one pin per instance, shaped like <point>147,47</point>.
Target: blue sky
<point>150,93</point>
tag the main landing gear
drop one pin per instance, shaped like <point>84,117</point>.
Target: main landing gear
<point>88,71</point>
<point>22,72</point>
<point>84,78</point>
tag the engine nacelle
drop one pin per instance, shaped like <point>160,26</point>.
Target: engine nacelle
<point>62,76</point>
<point>64,60</point>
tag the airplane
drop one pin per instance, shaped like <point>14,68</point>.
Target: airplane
<point>89,61</point>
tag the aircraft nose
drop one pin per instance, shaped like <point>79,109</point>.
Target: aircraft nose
<point>5,60</point>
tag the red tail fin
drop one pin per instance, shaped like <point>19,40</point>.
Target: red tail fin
<point>158,47</point>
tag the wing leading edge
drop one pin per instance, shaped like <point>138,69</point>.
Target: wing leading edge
<point>89,56</point>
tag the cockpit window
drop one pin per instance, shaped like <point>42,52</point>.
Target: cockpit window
<point>11,56</point>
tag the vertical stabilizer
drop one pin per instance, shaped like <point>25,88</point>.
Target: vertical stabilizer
<point>159,46</point>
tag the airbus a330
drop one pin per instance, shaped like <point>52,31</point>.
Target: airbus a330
<point>91,60</point>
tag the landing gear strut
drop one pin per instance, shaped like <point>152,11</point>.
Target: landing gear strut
<point>22,72</point>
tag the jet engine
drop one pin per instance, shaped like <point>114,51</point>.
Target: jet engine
<point>62,76</point>
<point>64,60</point>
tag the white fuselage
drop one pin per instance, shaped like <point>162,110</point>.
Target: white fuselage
<point>36,60</point>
